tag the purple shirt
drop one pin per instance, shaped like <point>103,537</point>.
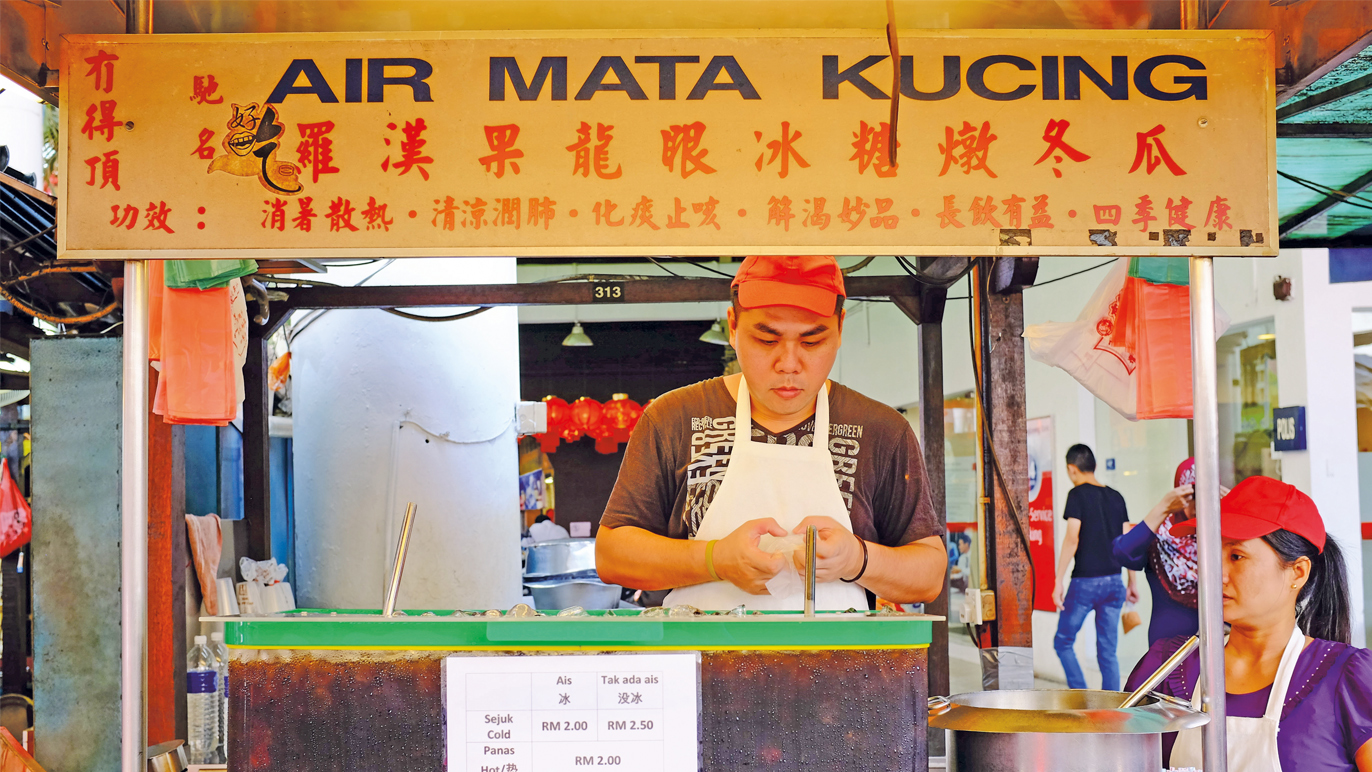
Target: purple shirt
<point>1328,712</point>
<point>1169,617</point>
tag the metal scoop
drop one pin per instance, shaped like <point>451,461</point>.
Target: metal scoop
<point>1161,673</point>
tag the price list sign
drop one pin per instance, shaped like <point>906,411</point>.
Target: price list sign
<point>555,713</point>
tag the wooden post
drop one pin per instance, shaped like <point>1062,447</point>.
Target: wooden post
<point>257,481</point>
<point>166,577</point>
<point>932,435</point>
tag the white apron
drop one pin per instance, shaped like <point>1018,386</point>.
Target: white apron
<point>1252,741</point>
<point>785,482</point>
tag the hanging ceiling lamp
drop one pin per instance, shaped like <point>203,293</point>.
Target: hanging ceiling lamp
<point>715,335</point>
<point>578,337</point>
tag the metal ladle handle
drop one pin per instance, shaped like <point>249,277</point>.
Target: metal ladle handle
<point>811,537</point>
<point>393,591</point>
<point>1158,675</point>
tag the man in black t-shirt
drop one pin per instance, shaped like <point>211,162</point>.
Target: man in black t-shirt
<point>1095,516</point>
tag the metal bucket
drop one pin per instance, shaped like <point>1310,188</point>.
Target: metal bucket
<point>1066,730</point>
<point>561,556</point>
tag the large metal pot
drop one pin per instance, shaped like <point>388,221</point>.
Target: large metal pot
<point>1067,730</point>
<point>560,557</point>
<point>586,593</point>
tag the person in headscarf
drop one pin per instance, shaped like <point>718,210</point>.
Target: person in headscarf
<point>1167,559</point>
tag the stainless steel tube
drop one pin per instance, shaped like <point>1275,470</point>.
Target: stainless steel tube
<point>811,537</point>
<point>133,514</point>
<point>1205,400</point>
<point>1161,673</point>
<point>398,568</point>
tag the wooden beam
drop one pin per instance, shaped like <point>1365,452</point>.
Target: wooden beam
<point>1004,360</point>
<point>257,481</point>
<point>932,437</point>
<point>166,693</point>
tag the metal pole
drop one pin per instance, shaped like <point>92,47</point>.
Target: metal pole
<point>133,502</point>
<point>1205,398</point>
<point>398,568</point>
<point>133,512</point>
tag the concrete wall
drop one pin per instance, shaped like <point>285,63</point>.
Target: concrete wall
<point>76,486</point>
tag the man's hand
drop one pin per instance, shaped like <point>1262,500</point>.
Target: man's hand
<point>1058,594</point>
<point>838,555</point>
<point>739,562</point>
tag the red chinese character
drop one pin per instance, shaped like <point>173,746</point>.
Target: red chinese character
<point>603,213</point>
<point>675,219</point>
<point>853,213</point>
<point>1058,147</point>
<point>202,88</point>
<point>706,210</point>
<point>1217,214</point>
<point>1177,213</point>
<point>779,212</point>
<point>684,141</point>
<point>203,150</point>
<point>983,212</point>
<point>316,149</point>
<point>501,140</point>
<point>816,216</point>
<point>585,159</point>
<point>508,212</point>
<point>446,208</point>
<point>870,149</point>
<point>949,215</point>
<point>304,219</point>
<point>102,68</point>
<point>108,123</point>
<point>476,208</point>
<point>340,215</point>
<point>376,215</point>
<point>1038,214</point>
<point>1107,214</point>
<point>128,219</point>
<point>109,169</point>
<point>1149,142</point>
<point>1144,210</point>
<point>784,149</point>
<point>542,211</point>
<point>883,220</point>
<point>1014,209</point>
<point>274,216</point>
<point>968,148</point>
<point>411,149</point>
<point>156,217</point>
<point>643,214</point>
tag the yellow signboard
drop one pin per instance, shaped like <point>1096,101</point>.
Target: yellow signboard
<point>687,143</point>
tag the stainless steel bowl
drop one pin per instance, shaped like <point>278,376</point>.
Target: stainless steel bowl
<point>1067,730</point>
<point>586,593</point>
<point>562,556</point>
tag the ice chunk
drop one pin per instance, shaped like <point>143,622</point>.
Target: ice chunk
<point>738,611</point>
<point>521,610</point>
<point>573,611</point>
<point>655,611</point>
<point>684,611</point>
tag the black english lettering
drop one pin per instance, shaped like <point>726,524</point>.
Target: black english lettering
<point>952,79</point>
<point>314,80</point>
<point>552,68</point>
<point>596,80</point>
<point>352,80</point>
<point>833,77</point>
<point>666,72</point>
<point>1195,84</point>
<point>1050,78</point>
<point>738,81</point>
<point>377,80</point>
<point>1117,87</point>
<point>976,78</point>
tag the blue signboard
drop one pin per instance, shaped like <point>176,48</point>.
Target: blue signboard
<point>1290,428</point>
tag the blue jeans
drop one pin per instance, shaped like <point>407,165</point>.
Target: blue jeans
<point>1105,595</point>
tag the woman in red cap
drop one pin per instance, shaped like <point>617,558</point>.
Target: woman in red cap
<point>1299,697</point>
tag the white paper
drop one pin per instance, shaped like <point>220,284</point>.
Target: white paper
<point>549,713</point>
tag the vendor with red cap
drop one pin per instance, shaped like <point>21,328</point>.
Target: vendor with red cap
<point>1299,697</point>
<point>699,508</point>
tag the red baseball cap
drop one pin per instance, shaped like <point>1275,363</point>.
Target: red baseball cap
<point>811,282</point>
<point>1260,505</point>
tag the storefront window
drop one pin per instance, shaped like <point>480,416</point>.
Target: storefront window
<point>1247,396</point>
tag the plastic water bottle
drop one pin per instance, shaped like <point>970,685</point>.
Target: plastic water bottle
<point>221,662</point>
<point>202,704</point>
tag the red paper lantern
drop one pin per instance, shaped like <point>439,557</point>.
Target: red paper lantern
<point>559,413</point>
<point>621,414</point>
<point>585,414</point>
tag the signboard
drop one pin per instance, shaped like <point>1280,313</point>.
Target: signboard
<point>634,712</point>
<point>1289,428</point>
<point>1041,548</point>
<point>676,142</point>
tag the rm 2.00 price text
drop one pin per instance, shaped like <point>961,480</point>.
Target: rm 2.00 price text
<point>597,761</point>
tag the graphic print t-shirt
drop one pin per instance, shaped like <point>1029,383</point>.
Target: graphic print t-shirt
<point>679,452</point>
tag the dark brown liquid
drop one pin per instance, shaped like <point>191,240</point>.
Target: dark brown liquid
<point>375,711</point>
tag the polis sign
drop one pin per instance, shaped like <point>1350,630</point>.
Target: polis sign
<point>690,143</point>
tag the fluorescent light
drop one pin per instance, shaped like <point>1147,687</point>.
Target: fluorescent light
<point>1267,336</point>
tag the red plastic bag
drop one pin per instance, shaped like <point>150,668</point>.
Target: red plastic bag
<point>16,519</point>
<point>198,356</point>
<point>1163,346</point>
